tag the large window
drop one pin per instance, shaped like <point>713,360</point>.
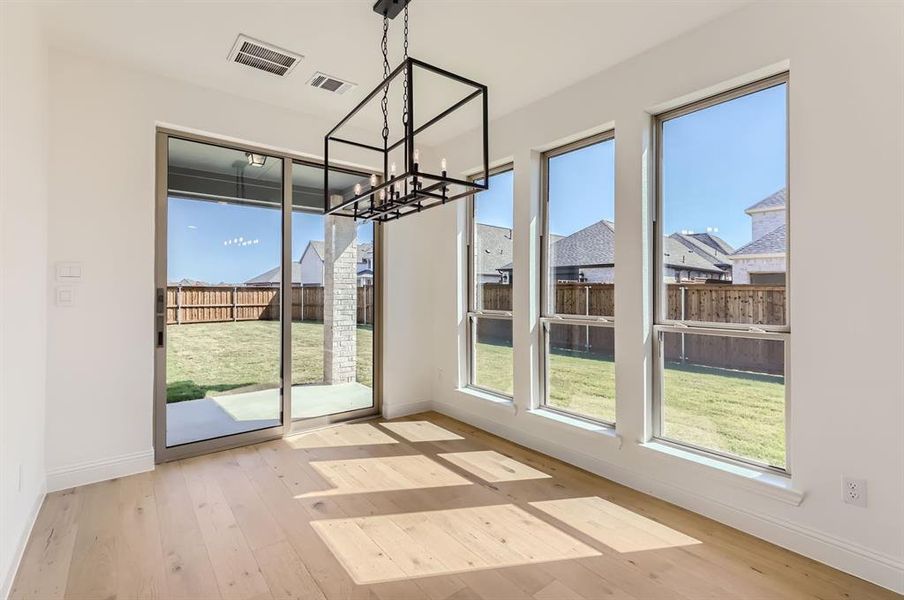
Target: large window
<point>721,315</point>
<point>490,289</point>
<point>579,279</point>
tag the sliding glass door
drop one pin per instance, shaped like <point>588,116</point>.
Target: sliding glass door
<point>332,301</point>
<point>265,309</point>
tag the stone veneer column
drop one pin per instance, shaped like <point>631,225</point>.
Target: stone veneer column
<point>340,299</point>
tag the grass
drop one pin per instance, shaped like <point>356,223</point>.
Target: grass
<point>730,411</point>
<point>218,357</point>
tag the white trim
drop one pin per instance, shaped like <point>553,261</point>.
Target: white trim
<point>392,410</point>
<point>62,478</point>
<point>764,255</point>
<point>488,396</point>
<point>758,481</point>
<point>10,576</point>
<point>753,211</point>
<point>596,427</point>
<point>880,568</point>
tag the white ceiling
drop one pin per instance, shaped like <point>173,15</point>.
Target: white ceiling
<point>522,50</point>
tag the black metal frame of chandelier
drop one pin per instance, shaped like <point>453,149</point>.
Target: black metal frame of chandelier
<point>407,201</point>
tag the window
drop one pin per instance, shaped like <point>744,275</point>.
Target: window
<point>721,312</point>
<point>490,289</point>
<point>578,297</point>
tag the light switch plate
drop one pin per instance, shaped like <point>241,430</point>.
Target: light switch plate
<point>71,272</point>
<point>65,295</point>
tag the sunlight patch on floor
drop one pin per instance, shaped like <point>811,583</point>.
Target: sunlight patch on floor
<point>383,474</point>
<point>421,431</point>
<point>358,434</point>
<point>492,466</point>
<point>615,526</point>
<point>402,546</point>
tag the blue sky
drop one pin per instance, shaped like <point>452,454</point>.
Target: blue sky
<point>198,230</point>
<point>716,163</point>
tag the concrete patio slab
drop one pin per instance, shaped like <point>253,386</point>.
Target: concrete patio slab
<point>226,414</point>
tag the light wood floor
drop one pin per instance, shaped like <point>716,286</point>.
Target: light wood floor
<point>428,508</point>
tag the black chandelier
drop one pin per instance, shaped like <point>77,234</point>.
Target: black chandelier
<point>415,187</point>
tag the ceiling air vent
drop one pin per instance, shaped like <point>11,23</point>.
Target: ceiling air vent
<point>262,56</point>
<point>330,83</point>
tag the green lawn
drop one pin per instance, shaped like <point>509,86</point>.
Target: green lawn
<point>731,411</point>
<point>216,357</point>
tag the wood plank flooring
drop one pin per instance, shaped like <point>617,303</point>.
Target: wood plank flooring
<point>422,508</point>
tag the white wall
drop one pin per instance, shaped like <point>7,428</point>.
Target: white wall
<point>311,267</point>
<point>100,352</point>
<point>23,278</point>
<point>741,268</point>
<point>765,221</point>
<point>847,381</point>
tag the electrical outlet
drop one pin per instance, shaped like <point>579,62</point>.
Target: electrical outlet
<point>854,491</point>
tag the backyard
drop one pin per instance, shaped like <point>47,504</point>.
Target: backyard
<point>736,412</point>
<point>732,411</point>
<point>218,357</point>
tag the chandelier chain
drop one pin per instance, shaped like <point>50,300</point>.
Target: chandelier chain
<point>405,82</point>
<point>384,103</point>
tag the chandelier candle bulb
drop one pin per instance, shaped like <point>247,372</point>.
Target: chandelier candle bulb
<point>357,189</point>
<point>392,170</point>
<point>373,181</point>
<point>443,166</point>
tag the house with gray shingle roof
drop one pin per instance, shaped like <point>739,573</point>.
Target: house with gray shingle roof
<point>492,252</point>
<point>588,255</point>
<point>764,259</point>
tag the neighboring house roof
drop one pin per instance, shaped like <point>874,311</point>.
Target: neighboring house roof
<point>494,245</point>
<point>681,255</point>
<point>713,241</point>
<point>774,242</point>
<point>591,246</point>
<point>272,277</point>
<point>714,249</point>
<point>774,201</point>
<point>594,246</point>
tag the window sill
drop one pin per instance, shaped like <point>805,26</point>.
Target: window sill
<point>583,424</point>
<point>488,396</point>
<point>765,483</point>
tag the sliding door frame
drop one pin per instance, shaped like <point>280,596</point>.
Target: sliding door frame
<point>287,426</point>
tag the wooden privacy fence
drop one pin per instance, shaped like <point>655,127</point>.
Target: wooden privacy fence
<point>719,303</point>
<point>213,304</point>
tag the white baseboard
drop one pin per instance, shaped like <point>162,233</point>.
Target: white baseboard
<point>394,411</point>
<point>881,569</point>
<point>84,473</point>
<point>9,577</point>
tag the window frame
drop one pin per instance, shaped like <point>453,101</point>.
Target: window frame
<point>548,316</point>
<point>474,312</point>
<point>659,285</point>
<point>662,325</point>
